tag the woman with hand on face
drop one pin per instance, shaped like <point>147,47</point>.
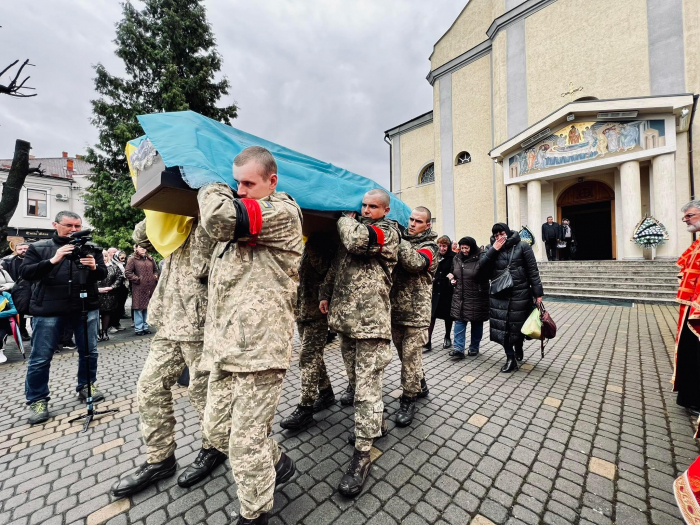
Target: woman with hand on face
<point>510,308</point>
<point>441,301</point>
<point>470,302</point>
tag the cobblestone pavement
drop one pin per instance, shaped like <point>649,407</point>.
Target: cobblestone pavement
<point>589,434</point>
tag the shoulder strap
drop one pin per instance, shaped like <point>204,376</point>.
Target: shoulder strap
<point>510,257</point>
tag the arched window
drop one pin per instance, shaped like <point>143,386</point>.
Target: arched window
<point>463,158</point>
<point>427,174</point>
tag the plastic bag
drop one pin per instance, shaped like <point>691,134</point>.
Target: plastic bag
<point>532,328</point>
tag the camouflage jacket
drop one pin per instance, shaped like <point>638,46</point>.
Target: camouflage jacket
<point>253,279</point>
<point>412,288</point>
<point>178,306</point>
<point>319,253</point>
<point>359,280</point>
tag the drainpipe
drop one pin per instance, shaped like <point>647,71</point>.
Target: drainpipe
<point>690,154</point>
<point>391,163</point>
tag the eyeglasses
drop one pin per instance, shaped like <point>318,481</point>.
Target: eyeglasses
<point>688,216</point>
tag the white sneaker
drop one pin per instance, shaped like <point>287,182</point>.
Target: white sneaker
<point>113,330</point>
<point>3,357</point>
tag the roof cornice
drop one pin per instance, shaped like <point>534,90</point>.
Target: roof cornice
<point>462,60</point>
<point>419,121</point>
<point>527,8</point>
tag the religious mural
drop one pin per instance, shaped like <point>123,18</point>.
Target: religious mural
<point>582,141</point>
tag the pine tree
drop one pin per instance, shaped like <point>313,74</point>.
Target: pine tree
<point>170,59</point>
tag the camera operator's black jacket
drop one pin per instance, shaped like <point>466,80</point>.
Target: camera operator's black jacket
<point>50,291</point>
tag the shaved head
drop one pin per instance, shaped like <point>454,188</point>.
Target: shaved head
<point>384,196</point>
<point>375,204</point>
<point>425,210</point>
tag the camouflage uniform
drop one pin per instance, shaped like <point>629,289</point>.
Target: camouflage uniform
<point>411,295</point>
<point>249,328</point>
<point>312,325</point>
<point>177,309</point>
<point>358,286</point>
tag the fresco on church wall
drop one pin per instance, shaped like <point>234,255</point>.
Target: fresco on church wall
<point>582,141</point>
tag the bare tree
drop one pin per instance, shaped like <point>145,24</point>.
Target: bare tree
<point>12,188</point>
<point>13,88</point>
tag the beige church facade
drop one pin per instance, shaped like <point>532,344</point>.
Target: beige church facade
<point>572,108</point>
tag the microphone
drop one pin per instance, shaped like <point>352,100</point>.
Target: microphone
<point>81,233</point>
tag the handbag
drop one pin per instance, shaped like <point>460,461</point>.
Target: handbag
<point>561,244</point>
<point>549,327</point>
<point>504,281</point>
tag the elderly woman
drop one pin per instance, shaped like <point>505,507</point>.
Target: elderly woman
<point>441,301</point>
<point>142,272</point>
<point>511,308</point>
<point>108,297</point>
<point>470,302</point>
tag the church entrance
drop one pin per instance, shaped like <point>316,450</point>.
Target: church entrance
<point>590,208</point>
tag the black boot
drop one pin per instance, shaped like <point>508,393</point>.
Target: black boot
<point>206,461</point>
<point>260,520</point>
<point>404,416</point>
<point>325,399</point>
<point>355,476</point>
<point>302,416</point>
<point>448,342</point>
<point>385,431</point>
<point>330,337</point>
<point>348,397</point>
<point>519,353</point>
<point>284,470</point>
<point>144,476</point>
<point>427,347</point>
<point>472,352</point>
<point>510,366</point>
<point>423,388</point>
<point>457,354</point>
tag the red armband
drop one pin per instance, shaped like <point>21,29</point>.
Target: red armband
<point>254,218</point>
<point>427,254</point>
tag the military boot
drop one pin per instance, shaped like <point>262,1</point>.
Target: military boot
<point>348,398</point>
<point>325,399</point>
<point>284,469</point>
<point>423,388</point>
<point>354,478</point>
<point>302,416</point>
<point>206,461</point>
<point>260,520</point>
<point>385,431</point>
<point>404,417</point>
<point>144,476</point>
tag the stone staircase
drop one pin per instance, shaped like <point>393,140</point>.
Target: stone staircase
<point>624,281</point>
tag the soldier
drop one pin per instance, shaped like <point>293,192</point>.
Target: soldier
<point>178,309</point>
<point>360,312</point>
<point>411,294</point>
<point>250,321</point>
<point>312,325</point>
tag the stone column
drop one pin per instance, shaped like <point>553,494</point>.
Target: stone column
<point>514,207</point>
<point>631,209</point>
<point>534,215</point>
<point>664,178</point>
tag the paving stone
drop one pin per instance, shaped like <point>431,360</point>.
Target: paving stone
<point>602,468</point>
<point>108,512</point>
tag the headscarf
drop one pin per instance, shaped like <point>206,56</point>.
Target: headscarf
<point>501,227</point>
<point>473,248</point>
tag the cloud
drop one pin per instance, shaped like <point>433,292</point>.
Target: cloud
<point>324,77</point>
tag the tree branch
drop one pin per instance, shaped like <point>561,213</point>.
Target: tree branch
<point>12,187</point>
<point>13,88</point>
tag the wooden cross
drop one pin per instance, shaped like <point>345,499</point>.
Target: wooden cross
<point>571,91</point>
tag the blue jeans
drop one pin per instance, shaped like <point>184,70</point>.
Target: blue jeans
<point>140,323</point>
<point>460,332</point>
<point>45,337</point>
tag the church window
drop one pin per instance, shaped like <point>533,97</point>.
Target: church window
<point>427,175</point>
<point>463,158</point>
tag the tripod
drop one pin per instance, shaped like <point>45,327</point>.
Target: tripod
<point>91,412</point>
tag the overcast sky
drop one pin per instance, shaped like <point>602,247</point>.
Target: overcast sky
<point>324,77</point>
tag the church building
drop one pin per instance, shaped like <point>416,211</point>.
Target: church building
<point>578,109</point>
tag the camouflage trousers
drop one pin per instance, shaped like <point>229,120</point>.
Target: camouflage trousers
<point>165,362</point>
<point>314,376</point>
<point>365,361</point>
<point>246,402</point>
<point>409,341</point>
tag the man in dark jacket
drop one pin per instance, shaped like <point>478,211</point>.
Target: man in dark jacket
<point>56,303</point>
<point>22,288</point>
<point>569,237</point>
<point>551,233</point>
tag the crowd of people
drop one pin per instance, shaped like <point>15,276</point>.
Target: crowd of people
<point>559,240</point>
<point>244,276</point>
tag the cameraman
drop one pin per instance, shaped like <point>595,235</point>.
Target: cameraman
<point>55,304</point>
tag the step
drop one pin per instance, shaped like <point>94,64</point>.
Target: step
<point>612,271</point>
<point>611,285</point>
<point>613,298</point>
<point>623,292</point>
<point>601,278</point>
<point>610,264</point>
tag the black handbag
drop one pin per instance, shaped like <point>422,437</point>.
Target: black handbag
<point>504,281</point>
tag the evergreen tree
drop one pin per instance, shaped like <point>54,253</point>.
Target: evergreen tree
<point>170,59</point>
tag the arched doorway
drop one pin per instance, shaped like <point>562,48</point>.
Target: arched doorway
<point>590,207</point>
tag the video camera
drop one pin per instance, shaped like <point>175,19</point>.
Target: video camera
<point>82,249</point>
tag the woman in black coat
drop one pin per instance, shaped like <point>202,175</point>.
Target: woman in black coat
<point>470,302</point>
<point>511,308</point>
<point>442,292</point>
